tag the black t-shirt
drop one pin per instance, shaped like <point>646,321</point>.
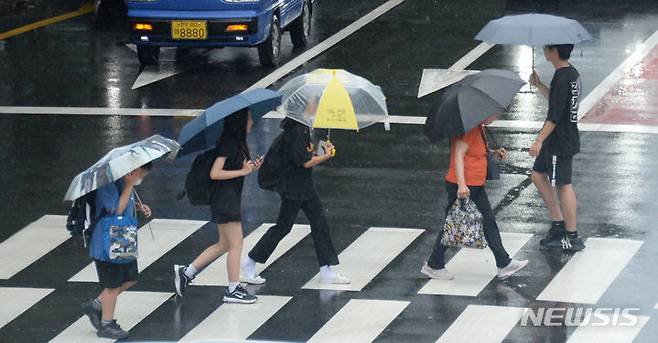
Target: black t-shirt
<point>563,103</point>
<point>298,150</point>
<point>227,195</point>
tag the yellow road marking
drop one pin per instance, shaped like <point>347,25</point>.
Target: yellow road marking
<point>85,9</point>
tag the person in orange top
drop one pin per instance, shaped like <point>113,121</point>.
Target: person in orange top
<point>466,178</point>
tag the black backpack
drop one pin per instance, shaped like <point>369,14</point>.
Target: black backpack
<point>272,172</point>
<point>198,185</point>
<point>82,217</point>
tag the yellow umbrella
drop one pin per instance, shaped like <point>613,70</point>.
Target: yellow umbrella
<point>333,99</point>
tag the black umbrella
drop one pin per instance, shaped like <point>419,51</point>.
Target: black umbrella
<point>470,101</point>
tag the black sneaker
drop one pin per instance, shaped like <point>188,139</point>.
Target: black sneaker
<point>240,296</point>
<point>181,281</point>
<point>112,331</point>
<point>574,243</point>
<point>95,315</point>
<point>554,237</point>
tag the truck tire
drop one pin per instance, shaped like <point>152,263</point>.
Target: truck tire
<point>269,50</point>
<point>148,55</point>
<point>300,29</point>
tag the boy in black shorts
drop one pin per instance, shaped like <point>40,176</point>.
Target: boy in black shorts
<point>554,148</point>
<point>115,278</point>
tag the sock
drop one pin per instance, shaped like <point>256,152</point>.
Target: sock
<point>106,322</point>
<point>572,234</point>
<point>326,272</point>
<point>558,223</point>
<point>190,271</point>
<point>96,304</point>
<point>232,286</point>
<point>249,266</point>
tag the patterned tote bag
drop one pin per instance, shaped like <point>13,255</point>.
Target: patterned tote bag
<point>463,226</point>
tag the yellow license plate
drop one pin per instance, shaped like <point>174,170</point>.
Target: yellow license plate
<point>189,29</point>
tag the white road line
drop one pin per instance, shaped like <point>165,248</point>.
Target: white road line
<point>473,268</point>
<point>436,79</point>
<point>483,324</point>
<point>611,80</point>
<point>325,45</point>
<point>236,321</point>
<point>359,321</point>
<point>152,74</point>
<point>132,308</point>
<point>99,111</point>
<point>589,273</point>
<point>216,273</point>
<point>367,256</point>
<point>609,333</point>
<point>15,301</point>
<point>393,119</point>
<point>168,234</point>
<point>31,243</point>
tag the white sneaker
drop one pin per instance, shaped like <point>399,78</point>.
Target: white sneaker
<point>513,267</point>
<point>335,279</point>
<point>438,274</point>
<point>252,279</point>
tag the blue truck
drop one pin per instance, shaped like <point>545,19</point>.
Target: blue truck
<point>218,23</point>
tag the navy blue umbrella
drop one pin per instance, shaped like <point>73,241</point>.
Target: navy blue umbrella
<point>203,131</point>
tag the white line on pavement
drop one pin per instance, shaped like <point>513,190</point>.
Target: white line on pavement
<point>325,45</point>
<point>436,79</point>
<point>602,89</point>
<point>483,324</point>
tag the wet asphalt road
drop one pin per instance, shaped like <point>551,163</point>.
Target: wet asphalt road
<point>379,178</point>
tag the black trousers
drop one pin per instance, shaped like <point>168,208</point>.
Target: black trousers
<point>324,248</point>
<point>491,231</point>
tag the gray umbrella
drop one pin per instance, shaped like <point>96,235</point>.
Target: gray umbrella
<point>119,162</point>
<point>533,30</point>
<point>467,103</point>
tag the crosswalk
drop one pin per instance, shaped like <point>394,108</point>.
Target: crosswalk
<point>216,274</point>
<point>132,308</point>
<point>167,234</point>
<point>473,268</point>
<point>582,280</point>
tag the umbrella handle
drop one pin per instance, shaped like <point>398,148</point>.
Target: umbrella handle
<point>333,151</point>
<point>147,223</point>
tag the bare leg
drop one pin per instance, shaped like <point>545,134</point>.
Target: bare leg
<point>211,253</point>
<point>109,301</point>
<point>569,206</point>
<point>231,233</point>
<point>121,289</point>
<point>548,194</point>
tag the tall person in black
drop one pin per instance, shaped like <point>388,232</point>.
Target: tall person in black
<point>298,192</point>
<point>555,146</point>
<point>231,165</point>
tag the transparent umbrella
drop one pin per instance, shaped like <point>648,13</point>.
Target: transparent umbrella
<point>333,99</point>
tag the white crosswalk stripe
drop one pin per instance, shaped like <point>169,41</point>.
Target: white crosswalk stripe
<point>608,334</point>
<point>589,273</point>
<point>17,300</point>
<point>359,321</point>
<point>132,308</point>
<point>483,324</point>
<point>31,243</point>
<point>216,274</point>
<point>236,321</point>
<point>167,232</point>
<point>367,256</point>
<point>473,268</point>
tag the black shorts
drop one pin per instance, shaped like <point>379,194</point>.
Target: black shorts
<point>558,168</point>
<point>223,218</point>
<point>113,275</point>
